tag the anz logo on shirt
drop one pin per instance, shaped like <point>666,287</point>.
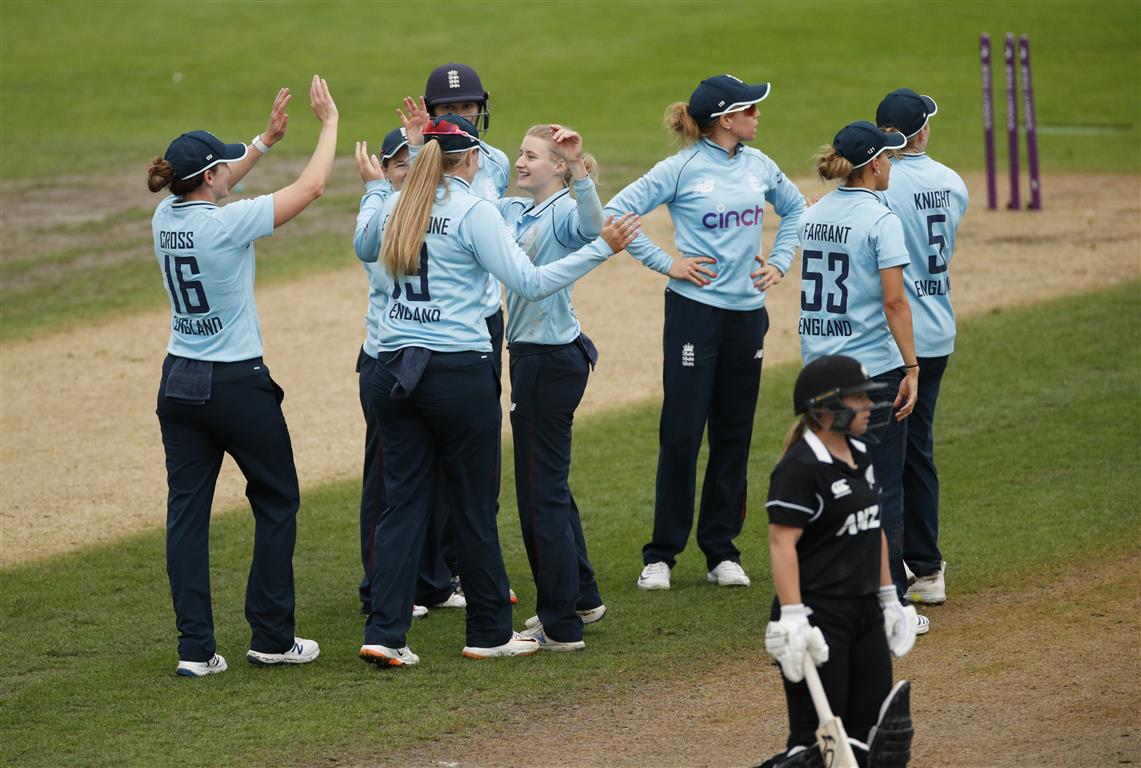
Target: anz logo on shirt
<point>864,520</point>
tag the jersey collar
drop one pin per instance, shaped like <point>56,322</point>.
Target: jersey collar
<point>457,180</point>
<point>538,209</point>
<point>714,145</point>
<point>858,190</point>
<point>821,452</point>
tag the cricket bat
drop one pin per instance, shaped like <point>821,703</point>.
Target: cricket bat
<point>830,736</point>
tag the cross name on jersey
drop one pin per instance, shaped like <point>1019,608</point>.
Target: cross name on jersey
<point>864,520</point>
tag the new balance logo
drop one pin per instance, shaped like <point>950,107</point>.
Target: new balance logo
<point>687,356</point>
<point>840,489</point>
<point>864,520</point>
<point>760,355</point>
<point>453,78</point>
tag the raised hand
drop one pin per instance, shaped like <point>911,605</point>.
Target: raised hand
<point>690,269</point>
<point>619,233</point>
<point>278,119</point>
<point>322,101</point>
<point>415,121</point>
<point>569,143</point>
<point>368,165</point>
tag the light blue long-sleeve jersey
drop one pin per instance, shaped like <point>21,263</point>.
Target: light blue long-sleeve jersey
<point>717,206</point>
<point>377,297</point>
<point>206,256</point>
<point>930,199</point>
<point>845,240</point>
<point>490,183</point>
<point>442,307</point>
<point>547,231</point>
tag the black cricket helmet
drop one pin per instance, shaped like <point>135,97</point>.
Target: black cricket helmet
<point>825,380</point>
<point>454,83</point>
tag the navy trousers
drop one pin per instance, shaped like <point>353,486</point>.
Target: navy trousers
<point>242,418</point>
<point>450,419</point>
<point>920,478</point>
<point>440,522</point>
<point>711,372</point>
<point>888,447</point>
<point>547,384</point>
<point>433,581</point>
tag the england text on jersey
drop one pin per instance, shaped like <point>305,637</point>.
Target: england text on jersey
<point>819,326</point>
<point>399,311</point>
<point>938,287</point>
<point>205,326</point>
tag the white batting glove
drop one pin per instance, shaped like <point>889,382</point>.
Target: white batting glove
<point>817,646</point>
<point>898,622</point>
<point>787,640</point>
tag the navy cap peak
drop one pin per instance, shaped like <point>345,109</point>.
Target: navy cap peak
<point>722,94</point>
<point>906,111</point>
<point>861,142</point>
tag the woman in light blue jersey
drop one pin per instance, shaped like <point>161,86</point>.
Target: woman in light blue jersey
<point>853,302</point>
<point>216,395</point>
<point>551,359</point>
<point>715,189</point>
<point>930,199</point>
<point>436,390</point>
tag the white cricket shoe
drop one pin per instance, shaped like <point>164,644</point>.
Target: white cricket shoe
<point>383,656</point>
<point>455,600</point>
<point>589,616</point>
<point>729,574</point>
<point>931,590</point>
<point>922,624</point>
<point>548,643</point>
<point>655,576</point>
<point>302,652</point>
<point>518,645</point>
<point>419,611</point>
<point>213,666</point>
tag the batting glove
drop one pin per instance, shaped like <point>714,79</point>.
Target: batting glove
<point>898,622</point>
<point>788,639</point>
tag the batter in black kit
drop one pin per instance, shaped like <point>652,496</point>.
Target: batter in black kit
<point>835,598</point>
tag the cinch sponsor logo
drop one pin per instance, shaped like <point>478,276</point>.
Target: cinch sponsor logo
<point>722,219</point>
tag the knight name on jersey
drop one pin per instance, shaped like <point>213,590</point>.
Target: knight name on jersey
<point>864,520</point>
<point>205,326</point>
<point>399,311</point>
<point>175,240</point>
<point>819,326</point>
<point>747,217</point>
<point>940,287</point>
<point>831,232</point>
<point>936,198</point>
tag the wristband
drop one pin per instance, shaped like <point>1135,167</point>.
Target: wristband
<point>258,144</point>
<point>915,365</point>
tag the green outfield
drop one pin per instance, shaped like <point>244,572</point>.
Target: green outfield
<point>1043,466</point>
<point>92,86</point>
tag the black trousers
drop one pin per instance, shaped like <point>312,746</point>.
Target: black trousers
<point>857,676</point>
<point>547,384</point>
<point>451,419</point>
<point>920,478</point>
<point>242,418</point>
<point>711,372</point>
<point>433,583</point>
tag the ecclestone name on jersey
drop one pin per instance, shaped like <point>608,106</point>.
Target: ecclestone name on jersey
<point>206,326</point>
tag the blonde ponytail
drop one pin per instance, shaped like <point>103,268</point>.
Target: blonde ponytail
<point>795,432</point>
<point>681,124</point>
<point>404,235</point>
<point>831,165</point>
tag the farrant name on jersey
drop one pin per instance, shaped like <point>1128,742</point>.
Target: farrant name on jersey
<point>833,233</point>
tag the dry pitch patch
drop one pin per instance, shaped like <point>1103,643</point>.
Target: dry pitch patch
<point>79,442</point>
<point>1042,687</point>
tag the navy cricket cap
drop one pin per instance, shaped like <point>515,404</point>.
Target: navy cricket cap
<point>829,378</point>
<point>861,142</point>
<point>906,111</point>
<point>454,133</point>
<point>394,140</point>
<point>192,153</point>
<point>722,94</point>
<point>452,83</point>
